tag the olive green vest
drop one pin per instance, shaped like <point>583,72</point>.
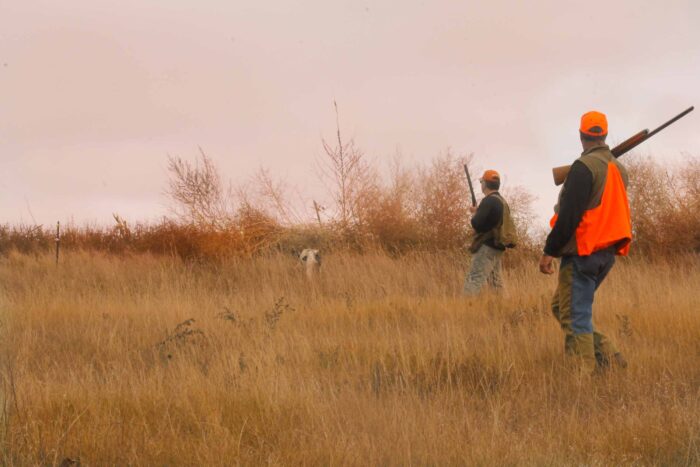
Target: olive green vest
<point>596,159</point>
<point>503,235</point>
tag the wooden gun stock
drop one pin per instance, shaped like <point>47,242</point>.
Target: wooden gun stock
<point>560,173</point>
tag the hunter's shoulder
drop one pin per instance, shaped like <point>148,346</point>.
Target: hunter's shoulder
<point>580,168</point>
<point>595,158</point>
<point>494,200</point>
<point>597,153</point>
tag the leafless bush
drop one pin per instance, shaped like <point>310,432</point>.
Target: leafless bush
<point>389,212</point>
<point>272,196</point>
<point>665,202</point>
<point>444,202</point>
<point>198,193</point>
<point>348,175</point>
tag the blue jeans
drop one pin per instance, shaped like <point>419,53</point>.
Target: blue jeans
<point>588,272</point>
<point>572,304</point>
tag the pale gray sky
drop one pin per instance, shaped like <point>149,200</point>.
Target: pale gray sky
<point>95,94</point>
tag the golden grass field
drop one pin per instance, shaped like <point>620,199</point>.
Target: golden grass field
<point>378,362</point>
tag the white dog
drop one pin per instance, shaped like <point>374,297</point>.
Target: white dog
<point>312,261</point>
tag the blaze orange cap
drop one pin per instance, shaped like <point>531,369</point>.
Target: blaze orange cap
<point>594,124</point>
<point>491,176</point>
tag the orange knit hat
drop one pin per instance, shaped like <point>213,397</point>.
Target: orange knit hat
<point>490,176</point>
<point>594,124</point>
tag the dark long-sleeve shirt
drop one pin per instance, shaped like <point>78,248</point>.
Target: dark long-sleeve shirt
<point>572,205</point>
<point>487,216</point>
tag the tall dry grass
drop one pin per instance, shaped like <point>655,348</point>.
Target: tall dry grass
<point>147,360</point>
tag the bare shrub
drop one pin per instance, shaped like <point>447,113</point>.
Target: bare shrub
<point>347,174</point>
<point>198,193</point>
<point>520,201</point>
<point>121,229</point>
<point>24,238</point>
<point>664,201</point>
<point>216,226</point>
<point>257,231</point>
<point>444,202</point>
<point>687,196</point>
<point>272,197</point>
<point>389,213</point>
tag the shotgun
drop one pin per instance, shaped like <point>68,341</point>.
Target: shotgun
<point>560,173</point>
<point>471,187</point>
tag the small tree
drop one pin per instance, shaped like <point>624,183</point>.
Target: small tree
<point>345,170</point>
<point>198,193</point>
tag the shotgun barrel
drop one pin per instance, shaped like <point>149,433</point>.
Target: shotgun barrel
<point>471,187</point>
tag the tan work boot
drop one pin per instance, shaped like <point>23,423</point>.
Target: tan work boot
<point>583,348</point>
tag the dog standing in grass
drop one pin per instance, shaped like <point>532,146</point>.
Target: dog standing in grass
<point>312,261</point>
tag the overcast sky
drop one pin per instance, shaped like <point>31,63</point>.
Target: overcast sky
<point>95,94</point>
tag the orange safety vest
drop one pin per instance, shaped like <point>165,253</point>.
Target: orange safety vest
<point>607,224</point>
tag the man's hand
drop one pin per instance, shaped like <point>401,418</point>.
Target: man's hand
<point>472,210</point>
<point>547,264</point>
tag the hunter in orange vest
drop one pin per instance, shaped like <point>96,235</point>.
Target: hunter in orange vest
<point>590,227</point>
